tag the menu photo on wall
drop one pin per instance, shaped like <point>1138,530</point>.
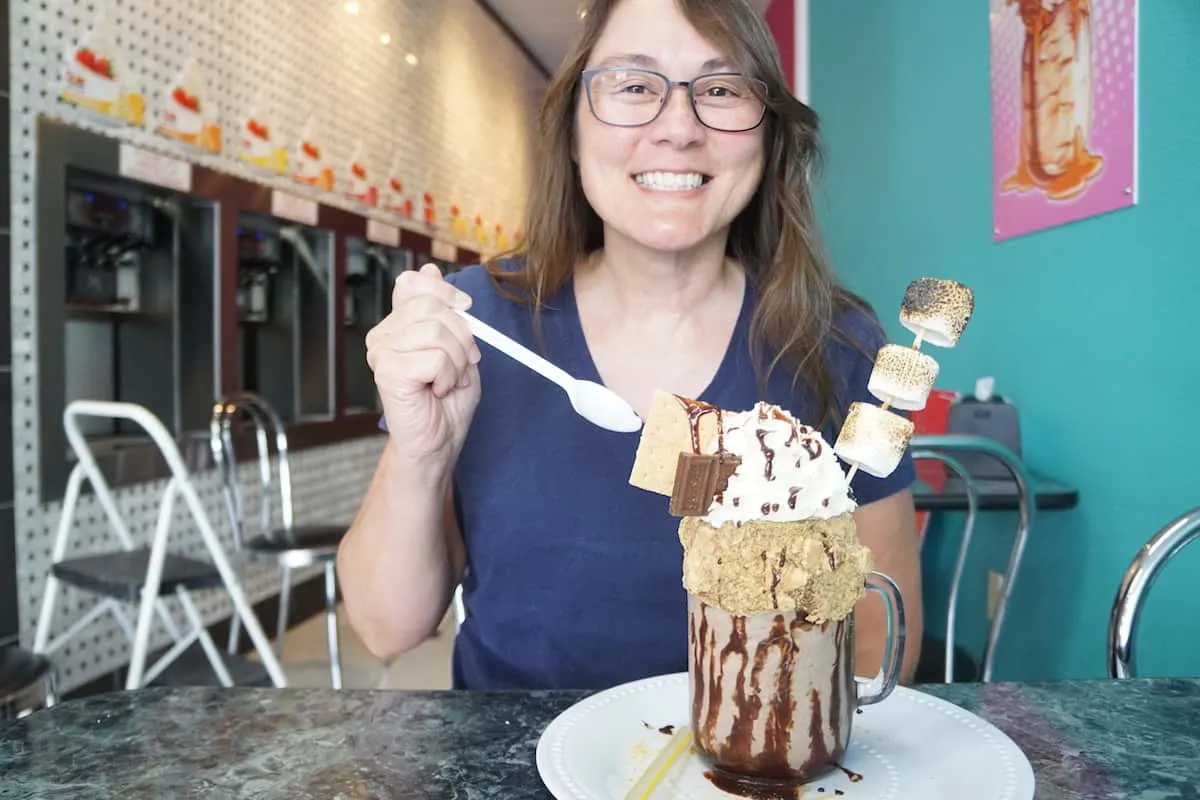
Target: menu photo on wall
<point>1064,111</point>
<point>259,141</point>
<point>97,78</point>
<point>187,112</point>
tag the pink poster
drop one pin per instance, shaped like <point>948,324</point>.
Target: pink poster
<point>1064,111</point>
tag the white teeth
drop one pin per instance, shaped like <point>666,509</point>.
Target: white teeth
<point>670,181</point>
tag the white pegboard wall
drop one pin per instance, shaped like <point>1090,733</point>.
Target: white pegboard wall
<point>458,121</point>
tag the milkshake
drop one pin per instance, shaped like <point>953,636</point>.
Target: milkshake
<point>773,568</point>
<point>772,563</point>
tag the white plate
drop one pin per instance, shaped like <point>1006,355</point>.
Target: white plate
<point>911,745</point>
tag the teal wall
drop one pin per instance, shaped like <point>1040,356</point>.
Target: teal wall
<point>1090,328</point>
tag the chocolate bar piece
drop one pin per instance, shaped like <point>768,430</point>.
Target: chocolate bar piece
<point>698,479</point>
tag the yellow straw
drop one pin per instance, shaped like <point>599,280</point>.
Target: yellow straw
<point>661,765</point>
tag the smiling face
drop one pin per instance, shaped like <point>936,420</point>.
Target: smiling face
<point>673,184</point>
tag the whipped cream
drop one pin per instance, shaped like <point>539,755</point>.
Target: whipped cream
<point>788,472</point>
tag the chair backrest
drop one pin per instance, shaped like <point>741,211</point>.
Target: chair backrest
<point>1026,514</point>
<point>1135,588</point>
<point>964,545</point>
<point>267,427</point>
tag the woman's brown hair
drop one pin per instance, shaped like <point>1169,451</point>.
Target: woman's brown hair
<point>775,238</point>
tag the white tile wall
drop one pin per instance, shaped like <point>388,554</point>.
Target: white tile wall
<point>458,122</point>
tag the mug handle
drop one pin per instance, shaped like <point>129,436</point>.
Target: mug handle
<point>879,687</point>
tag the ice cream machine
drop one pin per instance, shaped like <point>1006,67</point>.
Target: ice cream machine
<point>284,313</point>
<point>138,294</point>
<point>371,269</point>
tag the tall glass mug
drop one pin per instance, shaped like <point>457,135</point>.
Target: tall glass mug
<point>773,696</point>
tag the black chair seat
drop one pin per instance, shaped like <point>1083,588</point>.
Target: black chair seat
<point>192,668</point>
<point>315,539</point>
<point>121,575</point>
<point>21,669</point>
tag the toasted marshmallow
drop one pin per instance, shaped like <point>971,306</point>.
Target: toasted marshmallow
<point>903,377</point>
<point>937,310</point>
<point>872,439</point>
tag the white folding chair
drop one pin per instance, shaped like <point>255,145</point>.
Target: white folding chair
<point>143,575</point>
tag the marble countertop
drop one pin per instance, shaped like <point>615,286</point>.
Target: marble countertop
<point>1137,739</point>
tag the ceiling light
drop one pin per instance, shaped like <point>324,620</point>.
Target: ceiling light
<point>385,38</point>
<point>411,59</point>
<point>352,7</point>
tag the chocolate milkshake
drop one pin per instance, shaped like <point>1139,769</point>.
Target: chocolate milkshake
<point>772,563</point>
<point>772,695</point>
<point>773,568</point>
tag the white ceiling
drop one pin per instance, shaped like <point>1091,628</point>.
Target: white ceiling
<point>546,27</point>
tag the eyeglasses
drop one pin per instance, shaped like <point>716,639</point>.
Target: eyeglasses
<point>628,97</point>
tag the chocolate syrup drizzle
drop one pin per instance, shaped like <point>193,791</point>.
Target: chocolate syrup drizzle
<point>768,454</point>
<point>829,556</point>
<point>696,410</point>
<point>776,575</point>
<point>739,755</point>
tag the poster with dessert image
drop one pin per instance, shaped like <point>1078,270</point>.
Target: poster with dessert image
<point>97,78</point>
<point>188,112</point>
<point>394,198</point>
<point>259,142</point>
<point>309,159</point>
<point>358,183</point>
<point>1064,111</point>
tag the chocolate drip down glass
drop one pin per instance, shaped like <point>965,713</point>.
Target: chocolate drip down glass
<point>773,696</point>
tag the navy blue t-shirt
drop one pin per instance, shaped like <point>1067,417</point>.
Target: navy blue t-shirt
<point>574,577</point>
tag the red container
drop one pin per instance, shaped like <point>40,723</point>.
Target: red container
<point>933,419</point>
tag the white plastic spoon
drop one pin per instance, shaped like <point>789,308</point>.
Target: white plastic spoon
<point>593,401</point>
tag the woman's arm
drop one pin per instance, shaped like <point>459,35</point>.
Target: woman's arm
<point>401,560</point>
<point>888,527</point>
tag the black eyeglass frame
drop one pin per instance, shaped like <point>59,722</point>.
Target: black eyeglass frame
<point>761,93</point>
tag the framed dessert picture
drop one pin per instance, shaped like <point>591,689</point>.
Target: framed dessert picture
<point>1064,111</point>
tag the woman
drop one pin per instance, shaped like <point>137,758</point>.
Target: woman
<point>671,244</point>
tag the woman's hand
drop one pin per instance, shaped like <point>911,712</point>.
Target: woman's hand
<point>424,359</point>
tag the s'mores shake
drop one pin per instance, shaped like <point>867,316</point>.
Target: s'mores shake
<point>772,562</point>
<point>773,568</point>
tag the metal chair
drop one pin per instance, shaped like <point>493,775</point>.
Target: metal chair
<point>1136,585</point>
<point>291,546</point>
<point>459,606</point>
<point>964,546</point>
<point>1026,511</point>
<point>144,576</point>
<point>28,682</point>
